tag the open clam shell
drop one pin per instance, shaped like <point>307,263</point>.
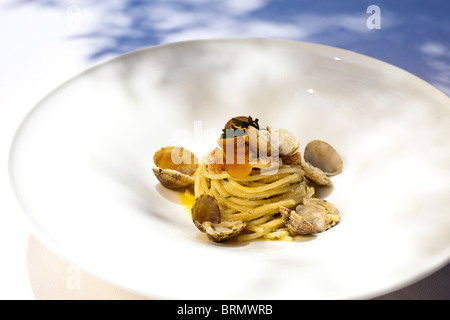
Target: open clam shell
<point>205,209</point>
<point>176,158</point>
<point>315,175</point>
<point>321,213</point>
<point>295,222</point>
<point>206,217</point>
<point>259,142</point>
<point>321,155</point>
<point>284,140</point>
<point>224,230</point>
<point>173,179</point>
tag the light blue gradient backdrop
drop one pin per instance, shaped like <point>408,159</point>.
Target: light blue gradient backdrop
<point>414,35</point>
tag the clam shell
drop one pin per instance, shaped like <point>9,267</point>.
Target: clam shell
<point>176,158</point>
<point>260,143</point>
<point>224,230</point>
<point>285,141</point>
<point>321,155</point>
<point>173,179</point>
<point>295,222</point>
<point>321,213</point>
<point>205,209</point>
<point>315,175</point>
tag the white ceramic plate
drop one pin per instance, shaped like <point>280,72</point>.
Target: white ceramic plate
<point>81,169</point>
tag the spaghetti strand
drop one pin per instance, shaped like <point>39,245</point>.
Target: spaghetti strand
<point>255,199</point>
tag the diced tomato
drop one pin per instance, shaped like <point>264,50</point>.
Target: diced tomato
<point>216,161</point>
<point>235,149</point>
<point>237,170</point>
<point>232,156</point>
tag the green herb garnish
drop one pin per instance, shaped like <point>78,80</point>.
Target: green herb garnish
<point>239,127</point>
<point>241,124</point>
<point>231,133</point>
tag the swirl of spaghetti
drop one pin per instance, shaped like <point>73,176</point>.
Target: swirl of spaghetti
<point>256,199</point>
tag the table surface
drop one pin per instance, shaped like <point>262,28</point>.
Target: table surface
<point>46,42</point>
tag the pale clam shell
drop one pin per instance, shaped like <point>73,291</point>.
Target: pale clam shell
<point>295,222</point>
<point>176,158</point>
<point>173,179</point>
<point>224,230</point>
<point>322,155</point>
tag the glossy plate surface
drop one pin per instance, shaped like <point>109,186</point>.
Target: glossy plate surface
<point>81,169</point>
